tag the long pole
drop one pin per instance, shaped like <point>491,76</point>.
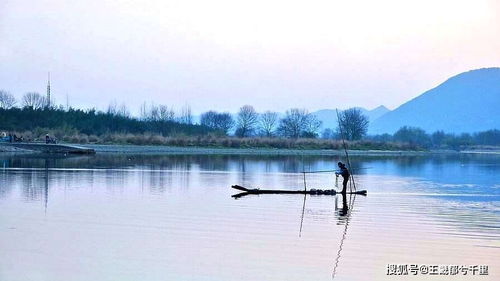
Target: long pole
<point>345,149</point>
<point>304,173</point>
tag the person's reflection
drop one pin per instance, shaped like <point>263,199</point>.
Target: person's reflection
<point>343,219</point>
<point>344,211</point>
<point>345,208</point>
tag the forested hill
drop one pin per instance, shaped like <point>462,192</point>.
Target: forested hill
<point>90,122</point>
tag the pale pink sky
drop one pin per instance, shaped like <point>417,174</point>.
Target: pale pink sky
<point>223,54</point>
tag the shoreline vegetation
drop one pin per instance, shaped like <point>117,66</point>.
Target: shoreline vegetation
<point>296,132</point>
<point>176,150</point>
<point>257,151</point>
<point>216,141</point>
<point>114,148</point>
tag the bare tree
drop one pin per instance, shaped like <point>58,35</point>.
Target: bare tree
<point>143,111</point>
<point>225,122</point>
<point>112,108</point>
<point>299,123</point>
<point>118,110</point>
<point>353,125</point>
<point>217,121</point>
<point>292,124</point>
<point>123,111</point>
<point>247,120</point>
<point>151,113</point>
<point>311,126</point>
<point>165,113</point>
<point>267,123</point>
<point>209,119</point>
<point>186,117</point>
<point>33,100</point>
<point>7,100</point>
<point>159,113</point>
<point>154,113</point>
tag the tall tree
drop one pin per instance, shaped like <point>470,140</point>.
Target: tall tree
<point>412,135</point>
<point>299,123</point>
<point>311,126</point>
<point>438,138</point>
<point>218,121</point>
<point>247,121</point>
<point>490,137</point>
<point>353,125</point>
<point>292,124</point>
<point>186,117</point>
<point>112,108</point>
<point>123,111</point>
<point>118,110</point>
<point>267,123</point>
<point>225,122</point>
<point>33,100</point>
<point>143,112</point>
<point>7,100</point>
<point>165,113</point>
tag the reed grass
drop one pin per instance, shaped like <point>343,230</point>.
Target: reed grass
<point>212,141</point>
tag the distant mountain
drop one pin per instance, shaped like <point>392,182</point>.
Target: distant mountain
<point>468,102</point>
<point>376,113</point>
<point>329,116</point>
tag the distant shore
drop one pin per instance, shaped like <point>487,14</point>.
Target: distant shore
<point>193,150</point>
<point>10,149</point>
<point>153,149</point>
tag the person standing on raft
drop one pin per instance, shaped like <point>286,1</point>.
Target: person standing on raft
<point>345,175</point>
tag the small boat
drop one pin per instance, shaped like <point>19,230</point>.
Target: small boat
<point>247,191</point>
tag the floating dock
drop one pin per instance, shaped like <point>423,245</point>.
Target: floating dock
<point>50,148</point>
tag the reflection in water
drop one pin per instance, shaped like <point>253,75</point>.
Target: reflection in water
<point>302,216</point>
<point>46,184</point>
<point>35,184</point>
<point>342,212</point>
<point>171,217</point>
<point>343,216</point>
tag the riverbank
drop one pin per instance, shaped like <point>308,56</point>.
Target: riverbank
<point>11,149</point>
<point>153,149</point>
<point>193,150</point>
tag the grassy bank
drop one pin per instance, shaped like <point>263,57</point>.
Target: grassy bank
<point>154,142</point>
<point>213,141</point>
<point>179,150</point>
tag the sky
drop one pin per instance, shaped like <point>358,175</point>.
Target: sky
<point>220,55</point>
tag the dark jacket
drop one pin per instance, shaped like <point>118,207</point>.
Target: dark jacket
<point>344,172</point>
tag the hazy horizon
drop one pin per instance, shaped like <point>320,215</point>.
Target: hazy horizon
<point>221,55</point>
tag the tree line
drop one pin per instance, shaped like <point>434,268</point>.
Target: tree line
<point>294,123</point>
<point>34,111</point>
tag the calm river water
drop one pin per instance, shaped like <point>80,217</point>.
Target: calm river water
<point>133,217</point>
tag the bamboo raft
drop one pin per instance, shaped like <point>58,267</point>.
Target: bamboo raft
<point>247,191</point>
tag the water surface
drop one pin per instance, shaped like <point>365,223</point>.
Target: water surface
<point>133,217</point>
